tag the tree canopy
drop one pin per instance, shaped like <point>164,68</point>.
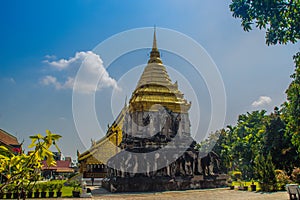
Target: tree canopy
<point>260,143</point>
<point>256,146</point>
<point>280,18</point>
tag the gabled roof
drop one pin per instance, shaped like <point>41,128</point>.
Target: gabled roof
<point>61,166</point>
<point>106,147</point>
<point>7,138</point>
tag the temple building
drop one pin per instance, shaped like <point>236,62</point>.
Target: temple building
<point>149,146</point>
<point>93,162</point>
<point>10,141</point>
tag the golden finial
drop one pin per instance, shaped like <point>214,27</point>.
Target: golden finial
<point>154,54</point>
<point>154,46</point>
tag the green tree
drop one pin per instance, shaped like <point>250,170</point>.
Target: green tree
<point>248,136</point>
<point>265,172</point>
<point>278,143</point>
<point>280,18</point>
<point>224,148</point>
<point>292,106</point>
<point>23,170</point>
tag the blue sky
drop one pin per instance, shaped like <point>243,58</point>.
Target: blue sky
<point>35,31</point>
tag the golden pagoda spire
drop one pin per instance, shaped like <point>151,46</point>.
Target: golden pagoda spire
<point>154,54</point>
<point>154,46</point>
<point>155,87</point>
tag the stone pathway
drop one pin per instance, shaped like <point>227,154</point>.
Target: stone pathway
<point>224,194</point>
<point>207,194</point>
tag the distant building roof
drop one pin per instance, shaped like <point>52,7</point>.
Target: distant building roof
<point>7,138</point>
<point>61,166</point>
<point>10,141</point>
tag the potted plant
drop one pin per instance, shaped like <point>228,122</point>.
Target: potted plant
<point>1,194</point>
<point>59,186</point>
<point>29,190</point>
<point>8,191</point>
<point>253,186</point>
<point>15,191</point>
<point>22,193</point>
<point>51,188</point>
<point>242,186</point>
<point>236,175</point>
<point>36,189</point>
<point>44,188</point>
<point>76,188</point>
<point>229,183</point>
<point>29,193</point>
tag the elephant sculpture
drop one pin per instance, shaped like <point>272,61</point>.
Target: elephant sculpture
<point>207,160</point>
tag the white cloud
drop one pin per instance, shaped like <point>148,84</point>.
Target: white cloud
<point>51,80</point>
<point>66,63</point>
<point>262,100</point>
<point>92,70</point>
<point>48,57</point>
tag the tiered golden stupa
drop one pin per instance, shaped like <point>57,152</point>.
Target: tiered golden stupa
<point>149,146</point>
<point>157,147</point>
<point>155,88</point>
<point>153,92</point>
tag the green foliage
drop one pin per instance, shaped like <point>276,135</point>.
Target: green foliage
<point>206,146</point>
<point>59,186</point>
<point>256,134</point>
<point>296,175</point>
<point>265,171</point>
<point>292,106</point>
<point>51,186</point>
<point>36,187</point>
<point>281,179</point>
<point>24,170</point>
<point>43,186</point>
<point>280,18</point>
<point>239,145</point>
<point>67,191</point>
<point>11,188</point>
<point>75,184</point>
<point>55,185</point>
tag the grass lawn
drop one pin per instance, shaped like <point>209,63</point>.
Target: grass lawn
<point>67,191</point>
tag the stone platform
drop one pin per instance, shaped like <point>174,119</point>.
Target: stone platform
<point>147,184</point>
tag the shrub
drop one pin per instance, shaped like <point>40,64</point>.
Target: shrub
<point>37,187</point>
<point>265,171</point>
<point>59,186</point>
<point>281,179</point>
<point>24,169</point>
<point>43,186</point>
<point>75,185</point>
<point>11,188</point>
<point>51,186</point>
<point>296,175</point>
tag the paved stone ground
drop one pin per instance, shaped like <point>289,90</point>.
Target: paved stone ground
<point>208,194</point>
<point>224,194</point>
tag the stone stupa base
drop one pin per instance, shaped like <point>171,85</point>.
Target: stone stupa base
<point>148,184</point>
